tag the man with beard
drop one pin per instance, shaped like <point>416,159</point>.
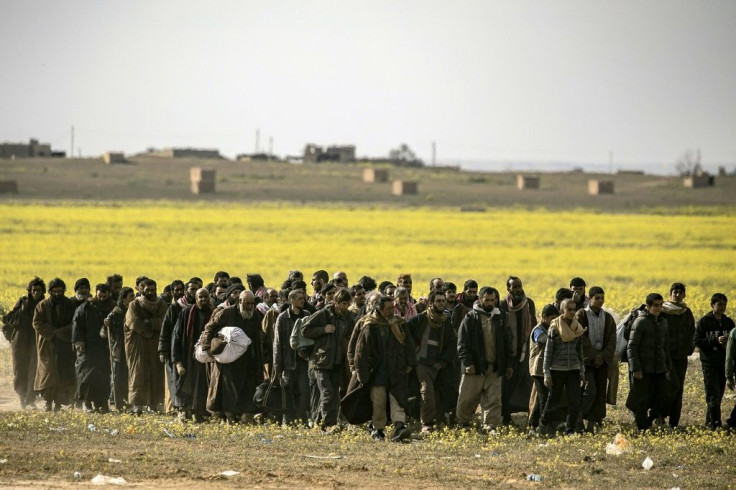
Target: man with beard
<point>681,329</point>
<point>432,333</point>
<point>165,337</point>
<point>404,281</point>
<point>577,286</point>
<point>233,385</point>
<point>289,365</point>
<point>115,282</point>
<point>319,279</point>
<point>404,308</point>
<point>486,356</point>
<point>464,302</point>
<point>329,328</point>
<point>190,396</point>
<point>384,355</point>
<point>232,296</point>
<point>270,310</point>
<point>114,335</point>
<point>81,292</point>
<point>93,353</point>
<point>256,285</point>
<point>599,347</point>
<point>22,340</point>
<point>356,306</point>
<point>142,328</point>
<point>52,321</point>
<point>521,318</point>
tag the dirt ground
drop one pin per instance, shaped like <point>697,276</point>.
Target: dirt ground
<point>158,178</point>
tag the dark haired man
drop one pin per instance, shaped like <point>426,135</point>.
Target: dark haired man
<point>577,286</point>
<point>143,322</point>
<point>649,362</point>
<point>464,302</point>
<point>432,333</point>
<point>521,317</point>
<point>681,329</point>
<point>319,279</point>
<point>711,337</point>
<point>18,328</point>
<point>599,347</point>
<point>93,354</point>
<point>52,321</point>
<point>115,282</point>
<point>485,352</point>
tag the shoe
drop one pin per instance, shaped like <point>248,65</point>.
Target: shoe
<point>427,429</point>
<point>247,418</point>
<point>401,432</point>
<point>378,435</point>
<point>488,430</point>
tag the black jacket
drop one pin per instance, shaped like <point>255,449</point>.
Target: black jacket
<point>707,331</point>
<point>284,357</point>
<point>328,350</point>
<point>648,348</point>
<point>471,348</point>
<point>681,329</point>
<point>447,347</point>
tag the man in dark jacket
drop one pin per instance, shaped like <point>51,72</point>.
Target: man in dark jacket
<point>681,329</point>
<point>329,328</point>
<point>384,355</point>
<point>649,362</point>
<point>599,347</point>
<point>521,317</point>
<point>432,333</point>
<point>288,364</point>
<point>22,338</point>
<point>164,341</point>
<point>93,354</point>
<point>484,349</point>
<point>711,337</point>
<point>191,375</point>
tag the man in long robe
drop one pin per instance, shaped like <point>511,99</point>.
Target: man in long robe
<point>142,328</point>
<point>191,376</point>
<point>52,321</point>
<point>233,385</point>
<point>22,340</point>
<point>93,354</point>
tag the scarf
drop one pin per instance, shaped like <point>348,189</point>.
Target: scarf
<point>672,308</point>
<point>436,320</point>
<point>568,332</point>
<point>394,324</point>
<point>190,322</point>
<point>526,324</point>
<point>183,301</point>
<point>149,306</point>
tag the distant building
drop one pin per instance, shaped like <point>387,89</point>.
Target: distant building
<point>32,149</point>
<point>341,154</point>
<point>185,153</point>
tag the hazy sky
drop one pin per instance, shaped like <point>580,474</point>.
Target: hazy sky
<point>487,80</point>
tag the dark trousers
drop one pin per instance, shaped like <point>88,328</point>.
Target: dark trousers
<point>568,381</point>
<point>714,379</point>
<point>314,412</point>
<point>328,383</point>
<point>680,370</point>
<point>297,381</point>
<point>593,403</point>
<point>542,394</point>
<point>649,392</point>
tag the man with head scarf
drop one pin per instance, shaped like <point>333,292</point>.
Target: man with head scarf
<point>93,354</point>
<point>52,321</point>
<point>22,338</point>
<point>142,328</point>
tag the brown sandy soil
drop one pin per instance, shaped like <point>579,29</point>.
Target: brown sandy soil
<point>156,178</point>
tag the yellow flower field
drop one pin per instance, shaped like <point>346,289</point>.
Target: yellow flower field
<point>628,255</point>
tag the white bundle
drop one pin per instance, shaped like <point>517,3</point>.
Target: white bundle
<point>237,343</point>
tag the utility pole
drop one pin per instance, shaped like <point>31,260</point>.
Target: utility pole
<point>71,151</point>
<point>434,153</point>
<point>270,147</point>
<point>258,140</point>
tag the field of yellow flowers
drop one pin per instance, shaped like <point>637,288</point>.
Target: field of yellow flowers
<point>628,255</point>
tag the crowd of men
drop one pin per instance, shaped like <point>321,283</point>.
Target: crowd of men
<point>434,359</point>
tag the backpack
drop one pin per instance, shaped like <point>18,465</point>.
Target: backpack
<point>623,331</point>
<point>297,341</point>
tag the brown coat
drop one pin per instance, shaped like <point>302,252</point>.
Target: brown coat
<point>55,368</point>
<point>145,371</point>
